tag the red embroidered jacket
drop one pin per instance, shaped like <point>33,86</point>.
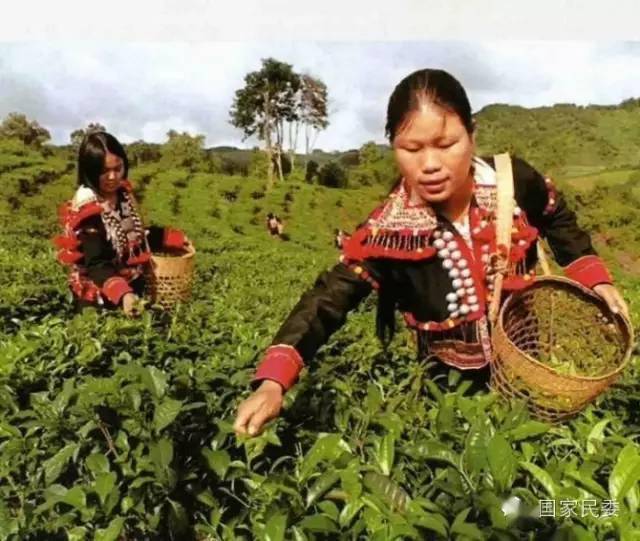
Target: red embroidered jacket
<point>420,262</point>
<point>103,266</point>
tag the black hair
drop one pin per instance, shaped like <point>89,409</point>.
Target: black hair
<point>91,155</point>
<point>435,85</point>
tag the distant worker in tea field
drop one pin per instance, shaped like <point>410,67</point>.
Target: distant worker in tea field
<point>105,243</point>
<point>428,250</point>
<point>274,225</point>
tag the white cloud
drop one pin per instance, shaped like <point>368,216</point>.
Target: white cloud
<point>141,90</point>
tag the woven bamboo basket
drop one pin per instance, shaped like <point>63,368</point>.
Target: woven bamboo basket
<point>170,277</point>
<point>558,346</point>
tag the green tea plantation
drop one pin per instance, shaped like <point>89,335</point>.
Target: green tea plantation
<point>120,429</point>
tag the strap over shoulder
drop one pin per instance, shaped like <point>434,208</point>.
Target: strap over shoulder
<point>504,222</point>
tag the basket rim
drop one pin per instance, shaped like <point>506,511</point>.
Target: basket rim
<point>190,251</point>
<point>624,323</point>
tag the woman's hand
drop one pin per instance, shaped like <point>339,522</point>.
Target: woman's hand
<point>613,298</point>
<point>131,305</point>
<point>262,406</point>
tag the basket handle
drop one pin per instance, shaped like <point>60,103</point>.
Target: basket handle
<point>542,257</point>
<point>504,222</point>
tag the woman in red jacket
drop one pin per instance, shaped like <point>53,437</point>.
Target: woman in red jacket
<point>427,250</point>
<point>104,241</point>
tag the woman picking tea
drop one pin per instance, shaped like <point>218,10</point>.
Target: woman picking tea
<point>428,249</point>
<point>105,242</point>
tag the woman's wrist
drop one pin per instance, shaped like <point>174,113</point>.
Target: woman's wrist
<point>271,385</point>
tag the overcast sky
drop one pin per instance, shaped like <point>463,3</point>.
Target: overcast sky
<point>140,91</point>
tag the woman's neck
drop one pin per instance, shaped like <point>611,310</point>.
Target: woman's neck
<point>111,198</point>
<point>458,204</point>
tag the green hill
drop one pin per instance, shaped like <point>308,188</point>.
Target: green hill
<point>564,136</point>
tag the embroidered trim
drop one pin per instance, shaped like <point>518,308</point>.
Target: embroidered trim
<point>445,325</point>
<point>73,218</point>
<point>397,229</point>
<point>461,355</point>
<point>362,273</point>
<point>124,229</point>
<point>401,229</point>
<point>552,197</point>
<point>69,257</point>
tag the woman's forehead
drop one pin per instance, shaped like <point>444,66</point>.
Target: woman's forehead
<point>429,120</point>
<point>112,159</point>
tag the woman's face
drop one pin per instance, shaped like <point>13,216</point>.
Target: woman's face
<point>433,151</point>
<point>112,173</point>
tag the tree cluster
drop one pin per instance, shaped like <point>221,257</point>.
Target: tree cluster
<point>275,105</point>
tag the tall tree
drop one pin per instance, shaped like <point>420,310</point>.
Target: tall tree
<point>312,109</point>
<point>264,105</point>
<point>18,126</point>
<point>310,113</point>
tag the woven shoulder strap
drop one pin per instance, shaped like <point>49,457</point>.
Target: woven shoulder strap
<point>504,223</point>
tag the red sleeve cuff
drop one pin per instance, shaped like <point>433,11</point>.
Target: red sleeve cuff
<point>282,364</point>
<point>173,238</point>
<point>588,270</point>
<point>114,289</point>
